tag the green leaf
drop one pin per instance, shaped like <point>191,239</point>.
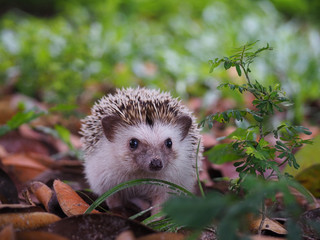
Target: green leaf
<point>302,129</point>
<point>196,212</point>
<point>18,119</point>
<point>63,134</point>
<point>282,145</point>
<point>256,153</point>
<point>4,129</point>
<point>257,118</point>
<point>241,134</point>
<point>22,117</point>
<point>263,143</point>
<point>222,153</point>
<point>225,117</point>
<point>214,64</point>
<point>237,164</point>
<point>306,157</point>
<point>63,107</point>
<point>238,70</point>
<point>170,186</point>
<point>227,65</point>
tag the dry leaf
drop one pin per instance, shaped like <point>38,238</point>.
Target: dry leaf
<point>268,224</point>
<point>19,208</point>
<point>3,152</point>
<point>23,221</point>
<point>163,236</point>
<point>42,192</point>
<point>14,142</point>
<point>72,166</point>
<point>23,166</point>
<point>37,235</point>
<point>261,237</point>
<point>126,235</point>
<point>6,109</point>
<point>7,233</point>
<point>70,202</point>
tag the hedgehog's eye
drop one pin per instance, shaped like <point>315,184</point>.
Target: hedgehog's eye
<point>168,143</point>
<point>134,143</point>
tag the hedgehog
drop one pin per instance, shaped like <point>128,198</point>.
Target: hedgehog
<point>140,133</point>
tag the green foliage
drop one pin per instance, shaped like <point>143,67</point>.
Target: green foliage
<point>258,154</point>
<point>27,116</point>
<point>18,119</point>
<point>230,212</point>
<point>241,59</point>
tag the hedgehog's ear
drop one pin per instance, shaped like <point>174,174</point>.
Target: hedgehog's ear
<point>185,123</point>
<point>109,126</point>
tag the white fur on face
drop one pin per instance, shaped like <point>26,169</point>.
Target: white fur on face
<point>110,163</point>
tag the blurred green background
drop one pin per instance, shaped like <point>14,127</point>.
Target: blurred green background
<point>74,51</point>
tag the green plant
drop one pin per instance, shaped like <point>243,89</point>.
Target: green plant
<point>256,154</point>
<point>250,142</point>
<point>230,212</point>
<point>18,119</point>
<point>26,116</point>
<point>164,224</point>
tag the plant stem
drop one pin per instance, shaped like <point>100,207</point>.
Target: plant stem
<point>245,73</point>
<point>241,65</point>
<point>260,132</point>
<point>263,217</point>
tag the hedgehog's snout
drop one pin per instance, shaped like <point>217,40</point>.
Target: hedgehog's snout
<point>155,164</point>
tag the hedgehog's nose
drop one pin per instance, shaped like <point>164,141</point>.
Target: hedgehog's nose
<point>155,164</point>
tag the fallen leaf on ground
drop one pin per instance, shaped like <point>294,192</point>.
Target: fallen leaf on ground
<point>3,152</point>
<point>21,221</point>
<point>163,236</point>
<point>126,235</point>
<point>7,233</point>
<point>14,142</point>
<point>37,235</point>
<point>42,192</point>
<point>268,224</point>
<point>19,208</point>
<point>72,166</point>
<point>71,203</point>
<point>23,166</point>
<point>262,237</point>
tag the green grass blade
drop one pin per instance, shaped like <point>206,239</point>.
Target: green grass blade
<point>178,189</point>
<point>197,171</point>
